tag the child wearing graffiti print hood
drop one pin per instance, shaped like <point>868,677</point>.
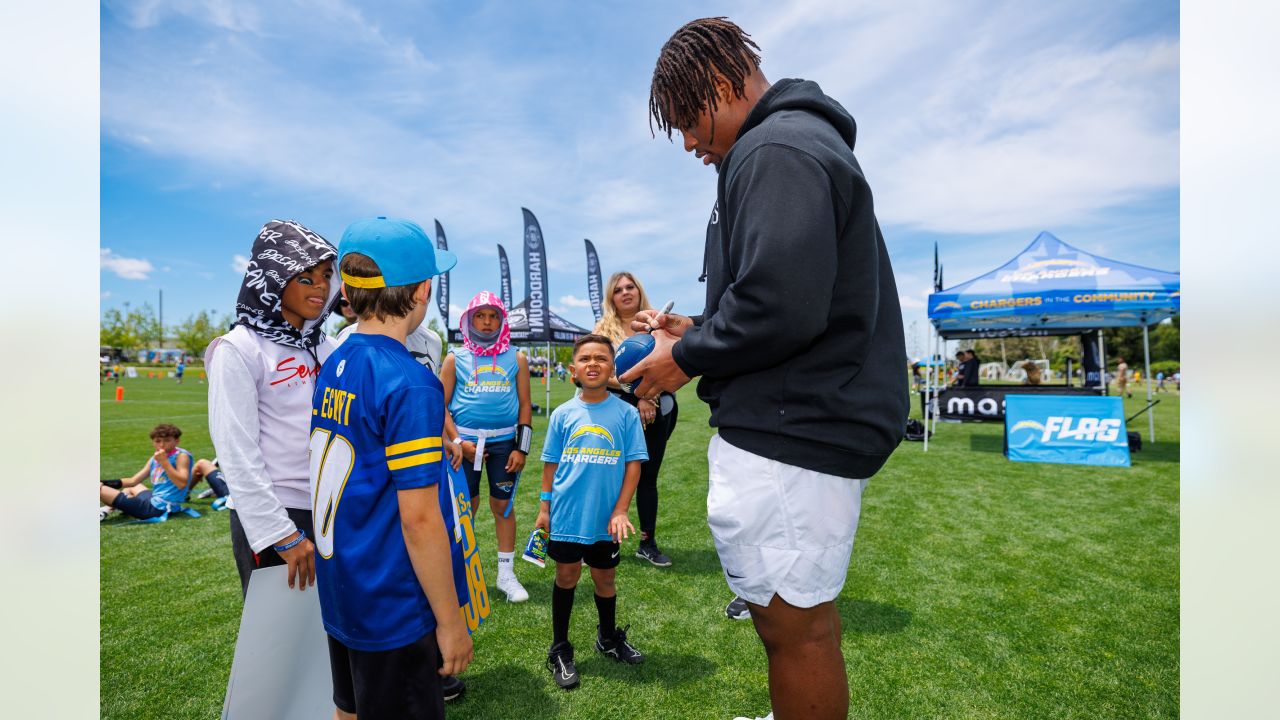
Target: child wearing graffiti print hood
<point>486,391</point>
<point>261,377</point>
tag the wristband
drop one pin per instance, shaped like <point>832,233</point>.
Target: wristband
<point>524,438</point>
<point>544,497</point>
<point>456,441</point>
<point>302,535</point>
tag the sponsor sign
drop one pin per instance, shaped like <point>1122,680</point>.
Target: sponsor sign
<point>1066,429</point>
<point>987,402</point>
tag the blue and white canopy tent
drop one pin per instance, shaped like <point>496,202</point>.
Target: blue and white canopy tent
<point>1052,288</point>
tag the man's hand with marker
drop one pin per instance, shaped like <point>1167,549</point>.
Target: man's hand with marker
<point>656,372</point>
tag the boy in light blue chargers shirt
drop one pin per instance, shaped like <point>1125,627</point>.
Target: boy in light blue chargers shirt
<point>591,466</point>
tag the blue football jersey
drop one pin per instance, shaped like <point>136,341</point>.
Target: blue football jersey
<point>592,444</point>
<point>376,422</point>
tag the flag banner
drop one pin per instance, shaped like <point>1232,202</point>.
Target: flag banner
<point>1061,429</point>
<point>535,277</point>
<point>504,281</point>
<point>442,285</point>
<point>468,574</point>
<point>594,288</point>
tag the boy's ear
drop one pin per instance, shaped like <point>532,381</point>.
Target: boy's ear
<point>423,293</point>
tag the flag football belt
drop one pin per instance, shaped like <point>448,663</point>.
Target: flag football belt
<point>482,436</point>
<point>524,439</point>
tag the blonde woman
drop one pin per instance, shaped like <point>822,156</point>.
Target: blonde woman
<point>624,296</point>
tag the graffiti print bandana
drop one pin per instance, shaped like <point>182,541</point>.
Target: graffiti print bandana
<point>503,341</point>
<point>282,249</point>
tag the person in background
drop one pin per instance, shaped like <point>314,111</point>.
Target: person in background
<point>168,468</point>
<point>1122,377</point>
<point>624,296</point>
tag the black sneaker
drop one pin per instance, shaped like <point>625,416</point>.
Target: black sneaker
<point>650,552</point>
<point>737,609</point>
<point>452,686</point>
<point>560,663</point>
<point>617,647</point>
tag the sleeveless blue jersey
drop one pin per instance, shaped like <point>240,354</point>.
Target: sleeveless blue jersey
<point>163,491</point>
<point>376,421</point>
<point>484,392</point>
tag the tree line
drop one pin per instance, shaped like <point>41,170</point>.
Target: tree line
<point>134,329</point>
<point>1123,342</point>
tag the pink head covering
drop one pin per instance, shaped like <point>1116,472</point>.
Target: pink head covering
<point>485,299</point>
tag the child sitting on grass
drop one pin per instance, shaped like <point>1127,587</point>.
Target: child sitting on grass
<point>169,469</point>
<point>591,466</point>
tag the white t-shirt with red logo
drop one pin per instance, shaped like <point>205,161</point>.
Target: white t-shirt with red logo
<point>259,420</point>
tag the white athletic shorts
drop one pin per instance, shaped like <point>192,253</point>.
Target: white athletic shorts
<point>780,529</point>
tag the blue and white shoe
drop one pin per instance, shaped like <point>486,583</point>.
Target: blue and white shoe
<point>221,503</point>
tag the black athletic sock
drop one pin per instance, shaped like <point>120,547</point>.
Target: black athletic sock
<point>607,607</point>
<point>218,484</point>
<point>561,609</point>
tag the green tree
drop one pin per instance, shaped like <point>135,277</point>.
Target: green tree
<point>145,326</point>
<point>194,334</point>
<point>116,331</point>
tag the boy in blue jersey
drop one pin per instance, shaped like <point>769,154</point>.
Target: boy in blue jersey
<point>169,469</point>
<point>383,563</point>
<point>591,466</point>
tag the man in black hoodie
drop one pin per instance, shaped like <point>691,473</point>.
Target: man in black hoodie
<point>800,346</point>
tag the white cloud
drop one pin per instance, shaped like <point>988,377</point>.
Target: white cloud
<point>910,303</point>
<point>572,301</point>
<point>127,268</point>
<point>239,263</point>
<point>106,294</point>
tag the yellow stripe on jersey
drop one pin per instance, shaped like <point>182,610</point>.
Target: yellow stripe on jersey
<point>411,445</point>
<point>411,460</point>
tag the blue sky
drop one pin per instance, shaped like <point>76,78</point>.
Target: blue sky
<point>979,125</point>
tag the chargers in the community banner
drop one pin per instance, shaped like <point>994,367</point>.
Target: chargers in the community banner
<point>468,574</point>
<point>1066,429</point>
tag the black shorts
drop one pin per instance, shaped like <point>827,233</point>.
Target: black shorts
<point>390,684</point>
<point>138,506</point>
<point>601,556</point>
<point>501,482</point>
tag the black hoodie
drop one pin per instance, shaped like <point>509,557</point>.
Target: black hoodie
<point>800,347</point>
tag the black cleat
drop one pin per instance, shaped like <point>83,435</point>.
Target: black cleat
<point>560,663</point>
<point>737,609</point>
<point>617,647</point>
<point>650,552</point>
<point>452,687</point>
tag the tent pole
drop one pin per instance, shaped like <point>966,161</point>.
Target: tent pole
<point>1146,357</point>
<point>546,375</point>
<point>928,388</point>
<point>1102,358</point>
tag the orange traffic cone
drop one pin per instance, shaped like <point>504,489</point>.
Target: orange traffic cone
<point>119,393</point>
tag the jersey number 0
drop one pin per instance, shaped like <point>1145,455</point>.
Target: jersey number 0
<point>331,459</point>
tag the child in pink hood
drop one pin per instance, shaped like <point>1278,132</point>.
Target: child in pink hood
<point>487,419</point>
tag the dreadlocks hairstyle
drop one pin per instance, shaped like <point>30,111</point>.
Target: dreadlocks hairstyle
<point>684,79</point>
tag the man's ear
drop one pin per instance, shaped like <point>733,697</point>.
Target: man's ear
<point>724,89</point>
<point>423,293</point>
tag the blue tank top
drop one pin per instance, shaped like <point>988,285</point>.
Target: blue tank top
<point>484,392</point>
<point>163,491</point>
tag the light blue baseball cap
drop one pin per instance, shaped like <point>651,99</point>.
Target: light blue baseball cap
<point>401,248</point>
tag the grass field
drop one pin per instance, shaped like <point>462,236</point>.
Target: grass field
<point>979,588</point>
